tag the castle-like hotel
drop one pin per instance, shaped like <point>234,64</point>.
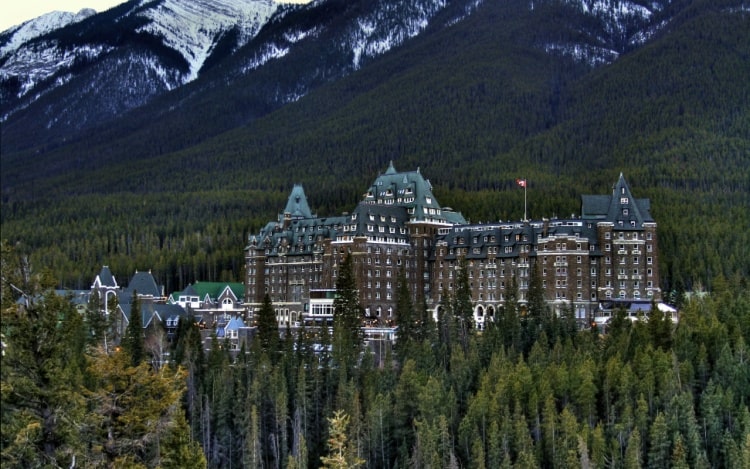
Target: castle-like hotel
<point>608,253</point>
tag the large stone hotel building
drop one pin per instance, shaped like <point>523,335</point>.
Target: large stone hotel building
<point>607,253</point>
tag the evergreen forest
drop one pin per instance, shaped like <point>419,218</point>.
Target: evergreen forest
<point>473,106</point>
<point>529,391</point>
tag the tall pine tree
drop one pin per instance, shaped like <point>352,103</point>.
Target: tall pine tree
<point>407,322</point>
<point>268,327</point>
<point>347,318</point>
<point>132,341</point>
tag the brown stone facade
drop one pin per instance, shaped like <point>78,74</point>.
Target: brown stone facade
<point>608,252</point>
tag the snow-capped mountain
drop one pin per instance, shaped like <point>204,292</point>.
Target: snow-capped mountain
<point>186,27</point>
<point>42,51</point>
<point>16,36</point>
<point>85,73</point>
<point>618,25</point>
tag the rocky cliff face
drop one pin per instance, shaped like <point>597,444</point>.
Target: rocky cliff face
<point>64,73</point>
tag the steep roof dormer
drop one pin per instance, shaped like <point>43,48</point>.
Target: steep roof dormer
<point>406,189</point>
<point>105,279</point>
<point>145,285</point>
<point>621,208</point>
<point>296,206</point>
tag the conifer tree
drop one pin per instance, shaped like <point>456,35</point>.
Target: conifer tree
<point>179,450</point>
<point>347,318</point>
<point>268,327</point>
<point>134,407</point>
<point>340,455</point>
<point>42,402</point>
<point>462,305</point>
<point>633,459</point>
<point>446,323</point>
<point>510,322</point>
<point>659,443</point>
<point>95,320</point>
<point>426,327</point>
<point>536,317</point>
<point>405,317</point>
<point>132,341</point>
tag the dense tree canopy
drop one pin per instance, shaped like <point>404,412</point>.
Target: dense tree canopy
<point>646,394</point>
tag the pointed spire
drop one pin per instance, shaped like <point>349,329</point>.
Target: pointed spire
<point>391,169</point>
<point>624,209</point>
<point>296,206</point>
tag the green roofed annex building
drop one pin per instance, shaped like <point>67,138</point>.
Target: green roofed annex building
<point>608,253</point>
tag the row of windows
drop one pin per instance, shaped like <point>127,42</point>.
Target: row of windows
<point>649,235</point>
<point>635,260</point>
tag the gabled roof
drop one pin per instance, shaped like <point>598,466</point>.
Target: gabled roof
<point>105,279</point>
<point>509,237</point>
<point>376,216</point>
<point>144,284</point>
<point>411,190</point>
<point>149,311</point>
<point>235,324</point>
<point>620,208</point>
<point>296,205</point>
<point>212,290</point>
<point>406,197</point>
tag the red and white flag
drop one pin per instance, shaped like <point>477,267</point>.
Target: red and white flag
<point>521,182</point>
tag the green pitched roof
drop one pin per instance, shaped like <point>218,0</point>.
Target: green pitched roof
<point>296,205</point>
<point>411,190</point>
<point>212,289</point>
<point>620,208</point>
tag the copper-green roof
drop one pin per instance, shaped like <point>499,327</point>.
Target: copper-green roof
<point>212,289</point>
<point>411,190</point>
<point>620,208</point>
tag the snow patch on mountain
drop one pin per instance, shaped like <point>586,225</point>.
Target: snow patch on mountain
<point>41,60</point>
<point>14,37</point>
<point>267,52</point>
<point>192,28</point>
<point>623,23</point>
<point>297,35</point>
<point>594,56</point>
<point>389,26</point>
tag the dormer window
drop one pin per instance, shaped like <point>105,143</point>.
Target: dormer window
<point>623,200</point>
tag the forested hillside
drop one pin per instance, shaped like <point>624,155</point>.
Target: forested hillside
<point>177,187</point>
<point>530,391</point>
<point>473,106</point>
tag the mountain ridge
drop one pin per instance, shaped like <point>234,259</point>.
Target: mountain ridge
<point>340,34</point>
<point>475,105</point>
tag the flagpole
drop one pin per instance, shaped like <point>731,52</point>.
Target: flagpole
<point>523,183</point>
<point>525,218</point>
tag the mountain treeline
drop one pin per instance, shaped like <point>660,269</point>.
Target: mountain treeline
<point>474,106</point>
<point>529,391</point>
